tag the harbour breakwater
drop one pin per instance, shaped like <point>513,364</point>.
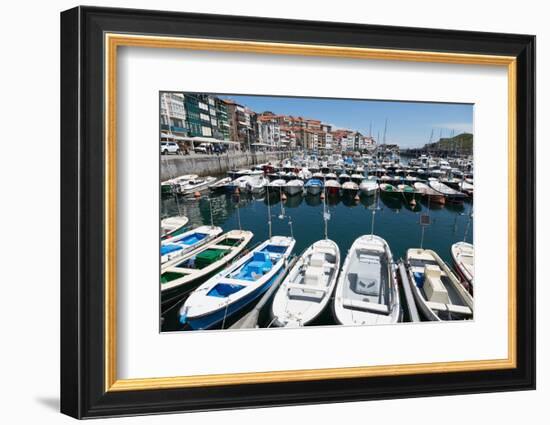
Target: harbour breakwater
<point>176,165</point>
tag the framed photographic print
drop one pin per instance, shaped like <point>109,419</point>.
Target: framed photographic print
<point>261,212</point>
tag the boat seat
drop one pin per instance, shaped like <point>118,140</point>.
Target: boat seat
<point>317,260</point>
<point>433,286</point>
<point>304,287</point>
<point>366,306</point>
<point>313,276</point>
<point>451,308</point>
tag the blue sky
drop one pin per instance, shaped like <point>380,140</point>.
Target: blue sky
<point>409,123</point>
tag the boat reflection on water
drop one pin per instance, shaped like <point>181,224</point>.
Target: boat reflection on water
<point>391,203</point>
<point>454,207</point>
<point>350,201</point>
<point>426,202</point>
<point>293,201</point>
<point>313,200</point>
<point>368,201</point>
<point>415,206</point>
<point>332,199</point>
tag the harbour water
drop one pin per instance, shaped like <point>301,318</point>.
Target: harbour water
<point>302,216</point>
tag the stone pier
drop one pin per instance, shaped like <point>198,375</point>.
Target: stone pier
<point>176,165</point>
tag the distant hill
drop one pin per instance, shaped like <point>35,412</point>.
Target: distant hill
<point>462,143</point>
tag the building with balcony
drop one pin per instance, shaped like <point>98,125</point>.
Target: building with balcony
<point>173,114</point>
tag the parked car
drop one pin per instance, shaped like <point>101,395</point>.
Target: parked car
<point>201,148</point>
<point>169,147</point>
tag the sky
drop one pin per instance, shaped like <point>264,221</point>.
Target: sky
<point>410,124</point>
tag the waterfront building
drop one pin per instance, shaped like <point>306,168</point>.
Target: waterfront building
<point>198,115</point>
<point>268,129</point>
<point>242,123</point>
<point>173,114</point>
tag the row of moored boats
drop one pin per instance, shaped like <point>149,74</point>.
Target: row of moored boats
<point>363,289</point>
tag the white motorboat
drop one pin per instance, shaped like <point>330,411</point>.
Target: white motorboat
<point>450,194</point>
<point>344,177</point>
<point>256,185</point>
<point>239,183</point>
<point>357,178</point>
<point>293,187</point>
<point>197,185</point>
<point>437,291</point>
<point>366,293</point>
<point>173,186</point>
<point>466,187</point>
<point>318,176</point>
<point>171,226</point>
<point>277,185</point>
<point>307,289</point>
<point>220,184</point>
<point>368,187</point>
<point>463,259</point>
<point>234,288</point>
<point>350,188</point>
<point>305,174</point>
<point>183,243</point>
<point>314,186</point>
<point>432,195</point>
<point>201,262</point>
<point>332,187</point>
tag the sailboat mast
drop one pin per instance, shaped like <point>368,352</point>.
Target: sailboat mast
<point>268,212</point>
<point>325,218</point>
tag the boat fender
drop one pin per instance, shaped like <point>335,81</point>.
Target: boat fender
<point>183,319</point>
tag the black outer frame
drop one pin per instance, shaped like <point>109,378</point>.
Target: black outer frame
<point>82,212</point>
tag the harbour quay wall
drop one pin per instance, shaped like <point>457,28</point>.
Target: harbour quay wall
<point>176,165</point>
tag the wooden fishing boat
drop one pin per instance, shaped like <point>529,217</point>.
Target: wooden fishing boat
<point>307,289</point>
<point>432,195</point>
<point>202,262</point>
<point>463,260</point>
<point>366,292</point>
<point>183,243</point>
<point>234,288</point>
<point>172,226</point>
<point>437,291</point>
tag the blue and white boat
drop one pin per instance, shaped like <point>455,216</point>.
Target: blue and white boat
<point>234,288</point>
<point>314,186</point>
<point>184,243</point>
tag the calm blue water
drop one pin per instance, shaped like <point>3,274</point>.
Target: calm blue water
<point>394,220</point>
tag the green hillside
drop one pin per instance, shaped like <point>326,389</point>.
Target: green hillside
<point>462,143</point>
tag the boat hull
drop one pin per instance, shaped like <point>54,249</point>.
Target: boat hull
<point>217,317</point>
<point>314,190</point>
<point>293,190</point>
